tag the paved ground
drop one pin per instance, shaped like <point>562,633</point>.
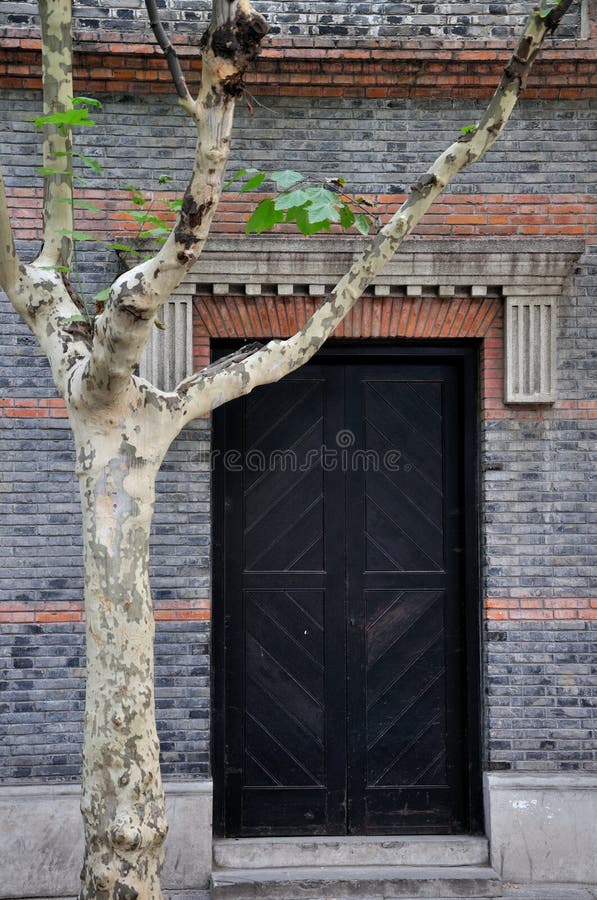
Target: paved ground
<point>508,892</point>
<point>557,892</point>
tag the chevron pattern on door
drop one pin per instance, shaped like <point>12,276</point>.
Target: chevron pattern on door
<point>284,670</point>
<point>283,497</point>
<point>406,728</point>
<point>404,515</point>
<point>339,610</point>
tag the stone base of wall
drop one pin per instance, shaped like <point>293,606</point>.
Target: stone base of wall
<point>542,828</point>
<point>41,839</point>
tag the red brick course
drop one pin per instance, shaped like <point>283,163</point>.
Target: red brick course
<point>452,215</point>
<point>50,611</point>
<point>372,71</point>
<point>540,608</point>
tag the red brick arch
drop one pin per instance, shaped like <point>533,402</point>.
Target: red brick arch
<point>423,318</point>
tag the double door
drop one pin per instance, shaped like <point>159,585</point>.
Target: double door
<point>345,698</point>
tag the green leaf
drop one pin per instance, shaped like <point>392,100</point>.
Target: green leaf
<point>159,231</point>
<point>253,182</point>
<point>174,205</point>
<point>264,217</point>
<point>63,120</point>
<point>76,318</point>
<point>82,204</point>
<point>86,101</point>
<point>164,179</point>
<point>85,204</point>
<point>285,178</point>
<point>147,218</point>
<point>468,129</point>
<point>299,216</point>
<point>64,269</point>
<point>124,248</point>
<point>235,177</point>
<point>102,296</point>
<point>291,198</point>
<point>136,195</point>
<point>90,162</point>
<point>363,223</point>
<point>323,206</point>
<point>347,217</point>
<point>77,235</point>
<point>48,170</point>
<point>544,13</point>
<point>140,215</point>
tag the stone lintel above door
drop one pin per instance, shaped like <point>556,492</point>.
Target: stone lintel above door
<point>529,275</point>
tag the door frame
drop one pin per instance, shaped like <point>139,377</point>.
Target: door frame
<point>466,355</point>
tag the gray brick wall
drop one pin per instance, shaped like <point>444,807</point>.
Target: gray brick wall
<point>374,144</point>
<point>42,696</point>
<point>540,694</point>
<point>319,18</point>
<point>540,492</point>
<point>387,144</point>
<point>40,523</point>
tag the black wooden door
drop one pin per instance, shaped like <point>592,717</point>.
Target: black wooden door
<point>344,649</point>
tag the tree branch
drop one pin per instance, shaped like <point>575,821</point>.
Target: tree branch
<point>37,292</point>
<point>122,330</point>
<point>171,56</point>
<point>208,390</point>
<point>9,261</point>
<point>57,145</point>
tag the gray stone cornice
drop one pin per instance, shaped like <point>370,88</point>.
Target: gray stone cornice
<point>284,264</point>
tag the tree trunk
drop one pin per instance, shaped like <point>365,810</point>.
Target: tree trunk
<point>123,799</point>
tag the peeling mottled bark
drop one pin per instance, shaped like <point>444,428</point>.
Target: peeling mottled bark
<point>57,78</point>
<point>123,802</point>
<point>10,265</point>
<point>123,426</point>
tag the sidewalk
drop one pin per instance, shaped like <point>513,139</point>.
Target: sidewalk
<point>508,891</point>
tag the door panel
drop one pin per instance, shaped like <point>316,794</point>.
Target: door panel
<point>284,638</point>
<point>340,632</point>
<point>408,739</point>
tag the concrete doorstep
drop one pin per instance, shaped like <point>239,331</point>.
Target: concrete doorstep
<point>289,852</point>
<point>313,883</point>
<point>369,868</point>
